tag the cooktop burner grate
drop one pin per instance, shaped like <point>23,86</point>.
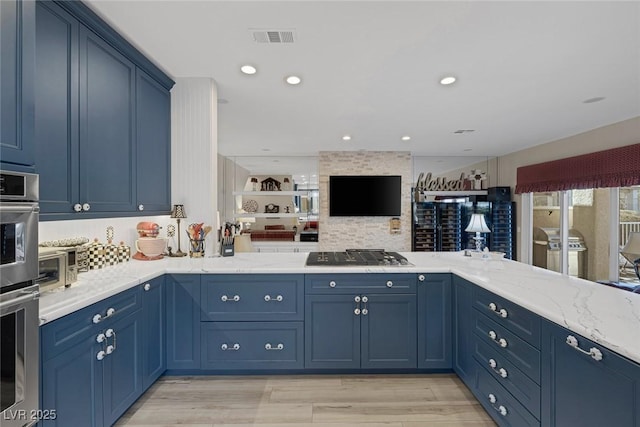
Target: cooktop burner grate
<point>356,257</point>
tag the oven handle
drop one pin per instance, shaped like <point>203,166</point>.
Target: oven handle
<point>20,208</point>
<point>33,295</point>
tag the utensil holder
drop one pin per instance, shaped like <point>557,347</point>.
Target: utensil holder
<point>226,249</point>
<point>196,248</point>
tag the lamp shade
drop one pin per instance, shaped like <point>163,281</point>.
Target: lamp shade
<point>477,224</point>
<point>178,212</point>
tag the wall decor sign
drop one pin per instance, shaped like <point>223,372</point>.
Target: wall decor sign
<point>428,183</point>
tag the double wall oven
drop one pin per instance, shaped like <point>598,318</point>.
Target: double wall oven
<point>19,342</point>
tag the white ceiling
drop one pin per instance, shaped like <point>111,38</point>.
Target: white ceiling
<point>371,70</point>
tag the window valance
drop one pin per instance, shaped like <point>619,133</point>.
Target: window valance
<point>616,167</point>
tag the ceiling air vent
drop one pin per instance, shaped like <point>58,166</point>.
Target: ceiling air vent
<point>273,36</point>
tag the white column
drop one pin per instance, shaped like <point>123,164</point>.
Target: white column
<point>194,153</point>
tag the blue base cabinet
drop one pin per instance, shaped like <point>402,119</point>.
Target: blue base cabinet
<point>154,359</point>
<point>587,390</point>
<point>360,321</point>
<point>183,321</point>
<point>92,372</point>
<point>434,321</point>
<point>463,363</point>
<point>17,39</point>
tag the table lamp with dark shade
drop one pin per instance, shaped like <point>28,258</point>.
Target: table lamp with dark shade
<point>178,213</point>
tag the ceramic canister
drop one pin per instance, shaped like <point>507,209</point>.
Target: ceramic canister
<point>110,253</point>
<point>96,255</point>
<point>124,252</point>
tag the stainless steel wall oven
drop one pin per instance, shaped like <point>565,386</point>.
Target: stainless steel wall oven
<point>19,344</point>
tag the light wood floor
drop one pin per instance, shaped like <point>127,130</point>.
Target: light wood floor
<point>308,401</point>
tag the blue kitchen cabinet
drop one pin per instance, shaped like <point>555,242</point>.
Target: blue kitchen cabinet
<point>434,321</point>
<point>183,321</point>
<point>102,126</point>
<point>389,331</point>
<point>462,331</point>
<point>154,360</point>
<point>596,389</point>
<point>92,366</point>
<point>56,94</point>
<point>355,321</point>
<point>153,145</point>
<point>17,42</point>
<point>332,332</point>
<point>107,127</point>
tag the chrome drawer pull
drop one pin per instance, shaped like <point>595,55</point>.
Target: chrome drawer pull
<point>278,298</point>
<point>501,342</point>
<point>593,352</point>
<point>225,298</point>
<point>332,284</point>
<point>235,347</point>
<point>268,346</point>
<point>502,312</point>
<point>502,372</point>
<point>500,409</point>
<point>389,283</point>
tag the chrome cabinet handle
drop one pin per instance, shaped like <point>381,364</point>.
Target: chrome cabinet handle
<point>111,334</point>
<point>101,338</point>
<point>595,353</point>
<point>421,277</point>
<point>502,372</point>
<point>500,409</point>
<point>101,354</point>
<point>278,298</point>
<point>98,317</point>
<point>78,208</point>
<point>502,312</point>
<point>365,311</point>
<point>140,208</point>
<point>356,312</point>
<point>147,287</point>
<point>332,284</point>
<point>501,342</point>
<point>365,300</point>
<point>357,298</point>
<point>235,347</point>
<point>279,347</point>
<point>389,283</point>
<point>225,298</point>
<point>86,207</point>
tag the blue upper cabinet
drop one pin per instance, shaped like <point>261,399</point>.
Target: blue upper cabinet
<point>153,145</point>
<point>103,120</point>
<point>107,107</point>
<point>56,130</point>
<point>17,42</point>
<point>599,388</point>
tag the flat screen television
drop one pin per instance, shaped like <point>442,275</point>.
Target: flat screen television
<point>365,195</point>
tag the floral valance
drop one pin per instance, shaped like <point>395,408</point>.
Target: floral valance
<point>617,167</point>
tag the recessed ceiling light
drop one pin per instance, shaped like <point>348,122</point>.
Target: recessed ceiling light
<point>592,100</point>
<point>447,80</point>
<point>248,69</point>
<point>293,80</point>
<point>406,138</point>
<point>346,138</point>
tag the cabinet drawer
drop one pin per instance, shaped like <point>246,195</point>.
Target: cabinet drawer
<point>503,407</point>
<point>356,283</point>
<point>252,297</point>
<point>508,345</point>
<point>513,379</point>
<point>519,320</point>
<point>252,345</point>
<point>59,335</point>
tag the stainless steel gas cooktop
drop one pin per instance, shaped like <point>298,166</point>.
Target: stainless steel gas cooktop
<point>357,257</point>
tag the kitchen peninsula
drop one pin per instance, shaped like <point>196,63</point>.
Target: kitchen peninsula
<point>515,334</point>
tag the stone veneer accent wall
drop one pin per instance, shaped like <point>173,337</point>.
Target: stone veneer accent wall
<point>340,233</point>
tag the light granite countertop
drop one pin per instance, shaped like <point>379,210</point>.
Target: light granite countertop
<point>606,315</point>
